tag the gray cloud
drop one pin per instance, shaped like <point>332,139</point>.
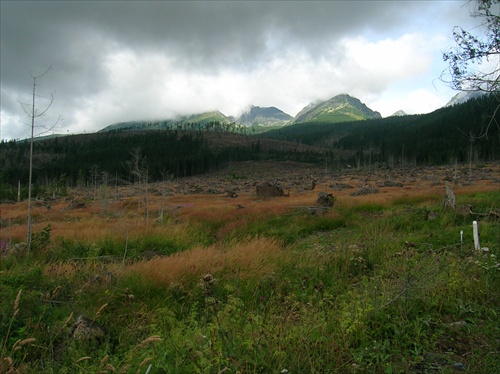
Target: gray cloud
<point>206,38</point>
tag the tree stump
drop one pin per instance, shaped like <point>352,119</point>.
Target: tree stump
<point>449,198</point>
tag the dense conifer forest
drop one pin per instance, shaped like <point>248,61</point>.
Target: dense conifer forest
<point>448,135</point>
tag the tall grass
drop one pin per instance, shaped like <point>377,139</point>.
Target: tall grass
<point>254,257</point>
<point>372,286</point>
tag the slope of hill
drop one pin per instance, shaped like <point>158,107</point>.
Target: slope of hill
<point>464,96</point>
<point>340,108</point>
<point>73,160</point>
<point>195,119</point>
<point>435,138</point>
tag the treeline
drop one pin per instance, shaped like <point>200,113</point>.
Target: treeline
<point>124,156</point>
<point>200,125</point>
<point>447,135</point>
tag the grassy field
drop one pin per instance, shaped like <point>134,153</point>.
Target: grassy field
<point>380,283</point>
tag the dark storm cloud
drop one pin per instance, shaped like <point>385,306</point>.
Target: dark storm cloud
<point>78,33</point>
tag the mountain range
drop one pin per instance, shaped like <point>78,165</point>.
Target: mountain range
<point>340,108</point>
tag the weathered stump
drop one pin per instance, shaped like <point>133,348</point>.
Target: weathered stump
<point>325,199</point>
<point>449,198</point>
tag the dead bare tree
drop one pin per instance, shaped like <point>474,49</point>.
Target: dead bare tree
<point>165,176</point>
<point>33,114</point>
<point>138,168</point>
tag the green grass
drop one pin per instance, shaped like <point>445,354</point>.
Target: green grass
<point>481,201</point>
<point>369,289</point>
<point>292,227</point>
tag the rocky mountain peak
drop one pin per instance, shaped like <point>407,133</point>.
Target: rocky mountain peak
<point>339,108</point>
<point>399,113</point>
<point>264,116</point>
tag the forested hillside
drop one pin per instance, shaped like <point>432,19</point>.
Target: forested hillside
<point>126,156</point>
<point>451,134</point>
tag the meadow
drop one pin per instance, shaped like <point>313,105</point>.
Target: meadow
<point>199,283</point>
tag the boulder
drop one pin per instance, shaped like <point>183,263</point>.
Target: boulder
<point>464,210</point>
<point>340,186</point>
<point>266,189</point>
<point>366,190</point>
<point>432,216</point>
<point>76,204</point>
<point>389,183</point>
<point>85,329</point>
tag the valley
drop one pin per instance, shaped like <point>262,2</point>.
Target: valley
<point>202,274</point>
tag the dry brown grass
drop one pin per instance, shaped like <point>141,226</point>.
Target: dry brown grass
<point>80,272</point>
<point>253,257</point>
<point>116,219</point>
<point>61,270</point>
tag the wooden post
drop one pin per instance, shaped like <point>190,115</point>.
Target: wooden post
<point>475,232</point>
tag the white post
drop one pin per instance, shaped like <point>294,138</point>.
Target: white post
<point>475,232</point>
<point>461,237</point>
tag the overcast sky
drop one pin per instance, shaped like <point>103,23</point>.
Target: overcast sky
<point>116,61</point>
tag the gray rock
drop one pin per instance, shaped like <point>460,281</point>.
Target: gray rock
<point>464,210</point>
<point>85,329</point>
<point>389,183</point>
<point>459,366</point>
<point>267,189</point>
<point>340,186</point>
<point>432,216</point>
<point>366,190</point>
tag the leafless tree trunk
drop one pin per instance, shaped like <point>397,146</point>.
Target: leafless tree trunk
<point>32,113</point>
<point>472,138</point>
<point>139,170</point>
<point>163,176</point>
